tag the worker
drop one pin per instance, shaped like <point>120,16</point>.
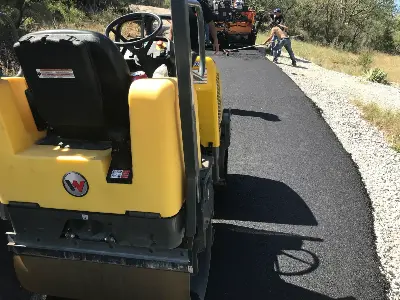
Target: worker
<point>215,5</point>
<point>283,41</point>
<point>208,19</point>
<point>239,4</point>
<point>207,34</point>
<point>277,19</point>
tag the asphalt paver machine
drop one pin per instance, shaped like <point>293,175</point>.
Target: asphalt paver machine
<point>235,25</point>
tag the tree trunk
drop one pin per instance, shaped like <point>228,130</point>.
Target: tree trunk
<point>19,5</point>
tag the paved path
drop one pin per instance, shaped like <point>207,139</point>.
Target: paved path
<point>292,187</point>
<point>295,198</point>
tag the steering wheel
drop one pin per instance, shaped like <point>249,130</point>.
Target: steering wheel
<point>135,45</point>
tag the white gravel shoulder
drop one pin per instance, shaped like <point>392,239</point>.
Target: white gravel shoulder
<point>378,164</point>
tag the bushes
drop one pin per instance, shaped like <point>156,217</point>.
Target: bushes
<point>348,25</point>
<point>365,60</point>
<point>35,15</point>
<point>67,13</point>
<point>8,36</point>
<point>376,75</point>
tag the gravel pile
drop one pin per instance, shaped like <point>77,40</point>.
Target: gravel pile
<point>378,164</point>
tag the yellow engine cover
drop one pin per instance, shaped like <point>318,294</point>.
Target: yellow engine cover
<point>209,100</point>
<point>33,173</point>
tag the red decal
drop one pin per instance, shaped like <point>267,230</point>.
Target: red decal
<point>79,186</point>
<point>125,174</point>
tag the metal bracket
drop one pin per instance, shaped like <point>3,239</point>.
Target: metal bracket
<point>3,212</point>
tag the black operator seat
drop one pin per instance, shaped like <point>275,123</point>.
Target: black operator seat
<point>78,85</point>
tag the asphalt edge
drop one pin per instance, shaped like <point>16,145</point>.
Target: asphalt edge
<point>319,111</point>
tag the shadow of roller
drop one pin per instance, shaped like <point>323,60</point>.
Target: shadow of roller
<point>256,199</point>
<point>247,260</point>
<point>244,265</point>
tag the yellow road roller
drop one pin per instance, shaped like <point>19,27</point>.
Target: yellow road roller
<point>107,177</point>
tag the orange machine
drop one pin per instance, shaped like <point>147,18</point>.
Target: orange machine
<point>235,25</point>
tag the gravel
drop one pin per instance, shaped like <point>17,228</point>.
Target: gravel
<point>378,164</point>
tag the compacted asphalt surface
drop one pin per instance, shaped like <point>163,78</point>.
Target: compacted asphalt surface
<point>296,221</point>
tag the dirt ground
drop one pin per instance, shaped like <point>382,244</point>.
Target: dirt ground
<point>155,10</point>
<point>151,9</point>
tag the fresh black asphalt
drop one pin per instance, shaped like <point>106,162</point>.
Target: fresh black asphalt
<point>296,221</point>
<point>294,196</point>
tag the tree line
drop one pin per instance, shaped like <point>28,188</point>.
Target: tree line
<point>348,24</point>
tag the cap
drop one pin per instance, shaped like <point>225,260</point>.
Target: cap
<point>277,10</point>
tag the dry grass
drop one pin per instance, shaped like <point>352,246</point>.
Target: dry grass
<point>129,30</point>
<point>386,120</point>
<point>343,61</point>
<point>95,22</point>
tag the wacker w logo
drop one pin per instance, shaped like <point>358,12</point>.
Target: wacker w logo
<point>75,184</point>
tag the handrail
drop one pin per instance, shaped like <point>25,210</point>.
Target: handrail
<point>201,37</point>
<point>183,62</point>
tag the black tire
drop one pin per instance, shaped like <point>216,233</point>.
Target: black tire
<point>223,165</point>
<point>224,44</point>
<point>252,37</point>
<point>222,40</point>
<point>224,147</point>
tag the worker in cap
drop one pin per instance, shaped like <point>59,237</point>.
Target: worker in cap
<point>277,19</point>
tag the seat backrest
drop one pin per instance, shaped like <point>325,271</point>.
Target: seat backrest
<point>78,84</point>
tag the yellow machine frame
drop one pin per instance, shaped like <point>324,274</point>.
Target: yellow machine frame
<point>156,145</point>
<point>155,229</point>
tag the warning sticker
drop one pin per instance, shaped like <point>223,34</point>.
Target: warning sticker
<point>197,78</point>
<point>124,174</point>
<point>55,73</point>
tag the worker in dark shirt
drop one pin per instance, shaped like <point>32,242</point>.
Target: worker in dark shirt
<point>277,19</point>
<point>208,19</point>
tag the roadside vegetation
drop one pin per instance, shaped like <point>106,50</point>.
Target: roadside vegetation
<point>355,37</point>
<point>373,65</point>
<point>384,119</point>
<point>350,25</point>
